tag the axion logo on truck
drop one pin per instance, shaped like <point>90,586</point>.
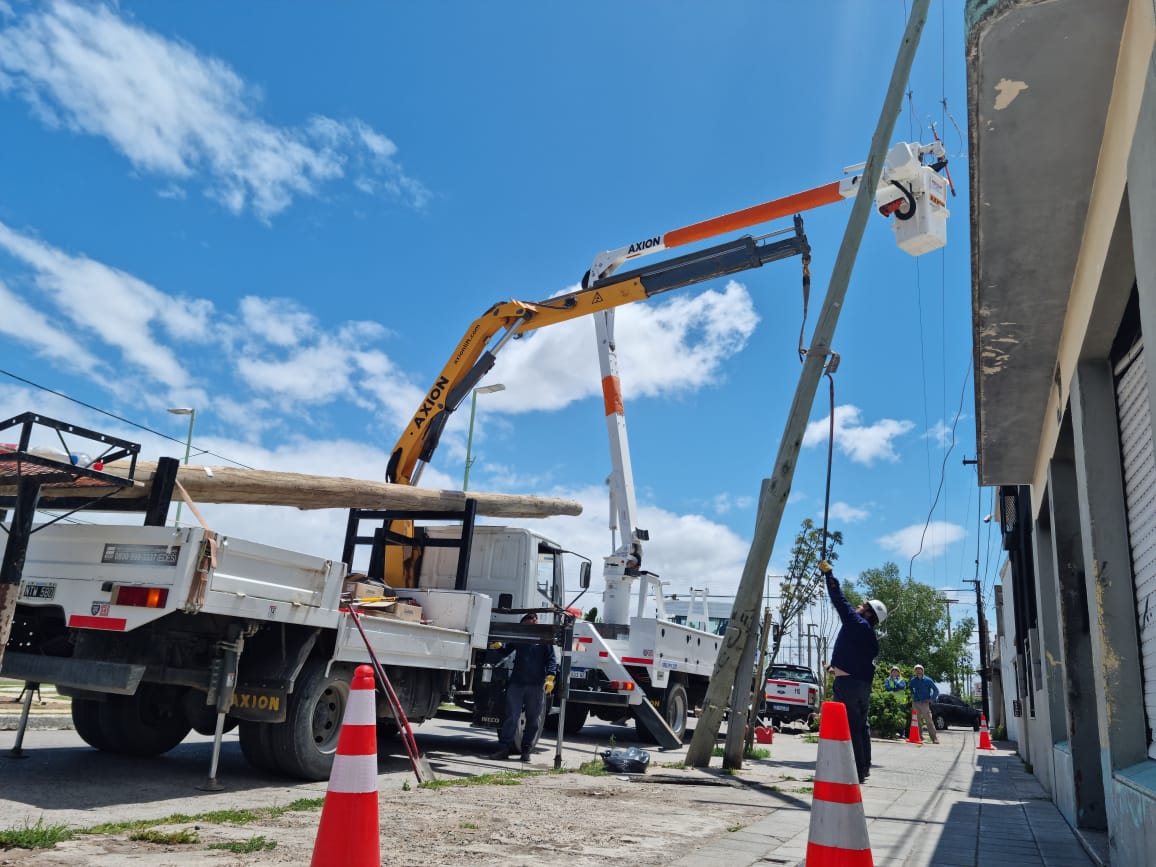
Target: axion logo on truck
<point>639,246</point>
<point>431,401</point>
<point>151,555</point>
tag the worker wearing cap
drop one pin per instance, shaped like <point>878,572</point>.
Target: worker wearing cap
<point>531,680</point>
<point>853,664</point>
<point>923,693</point>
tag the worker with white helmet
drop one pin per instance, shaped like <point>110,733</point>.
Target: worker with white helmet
<point>853,664</point>
<point>923,693</point>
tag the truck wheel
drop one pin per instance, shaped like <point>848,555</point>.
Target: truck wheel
<point>521,729</point>
<point>674,707</point>
<point>146,724</point>
<point>86,721</point>
<point>304,745</point>
<point>576,715</point>
<point>256,747</point>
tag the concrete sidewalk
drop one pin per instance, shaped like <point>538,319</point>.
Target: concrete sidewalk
<point>947,804</point>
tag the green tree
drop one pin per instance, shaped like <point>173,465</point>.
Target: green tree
<point>917,626</point>
<point>803,584</point>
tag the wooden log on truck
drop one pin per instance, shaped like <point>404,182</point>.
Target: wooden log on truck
<point>303,491</point>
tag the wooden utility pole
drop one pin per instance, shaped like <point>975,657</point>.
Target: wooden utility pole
<point>728,673</point>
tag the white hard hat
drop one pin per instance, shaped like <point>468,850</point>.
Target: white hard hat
<point>879,608</point>
<point>920,667</point>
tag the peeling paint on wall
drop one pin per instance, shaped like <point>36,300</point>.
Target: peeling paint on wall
<point>1007,91</point>
<point>1111,664</point>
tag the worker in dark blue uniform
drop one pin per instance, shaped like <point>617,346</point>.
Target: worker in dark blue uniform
<point>531,680</point>
<point>853,664</point>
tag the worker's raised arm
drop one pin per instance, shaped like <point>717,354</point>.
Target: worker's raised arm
<point>835,592</point>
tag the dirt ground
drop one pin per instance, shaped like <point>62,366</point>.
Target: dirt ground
<point>571,819</point>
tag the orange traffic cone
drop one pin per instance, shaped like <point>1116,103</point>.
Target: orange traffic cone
<point>349,835</point>
<point>838,835</point>
<point>913,735</point>
<point>984,737</point>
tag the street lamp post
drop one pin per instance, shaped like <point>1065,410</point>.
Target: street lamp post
<point>485,389</point>
<point>192,414</point>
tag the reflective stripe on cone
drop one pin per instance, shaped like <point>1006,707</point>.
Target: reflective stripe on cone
<point>838,833</point>
<point>349,833</point>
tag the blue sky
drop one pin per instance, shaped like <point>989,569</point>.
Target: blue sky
<point>286,219</point>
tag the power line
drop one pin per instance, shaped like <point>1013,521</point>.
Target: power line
<point>121,419</point>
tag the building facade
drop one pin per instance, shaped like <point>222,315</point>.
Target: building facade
<point>1062,117</point>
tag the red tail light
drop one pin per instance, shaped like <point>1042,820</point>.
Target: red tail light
<point>627,685</point>
<point>140,597</point>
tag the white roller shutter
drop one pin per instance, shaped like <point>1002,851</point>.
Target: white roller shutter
<point>1135,418</point>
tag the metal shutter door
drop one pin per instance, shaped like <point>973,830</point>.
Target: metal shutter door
<point>1139,466</point>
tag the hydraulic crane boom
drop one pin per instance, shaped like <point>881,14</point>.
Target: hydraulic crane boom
<point>474,357</point>
<point>905,181</point>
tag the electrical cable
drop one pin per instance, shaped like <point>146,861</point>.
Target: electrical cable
<point>942,471</point>
<point>122,419</point>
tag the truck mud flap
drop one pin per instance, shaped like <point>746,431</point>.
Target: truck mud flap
<point>90,675</point>
<point>648,715</point>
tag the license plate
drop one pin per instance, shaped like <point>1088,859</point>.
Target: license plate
<point>780,707</point>
<point>35,590</point>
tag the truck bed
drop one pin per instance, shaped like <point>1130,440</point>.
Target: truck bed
<point>84,569</point>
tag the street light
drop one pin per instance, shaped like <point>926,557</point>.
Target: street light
<point>485,389</point>
<point>192,414</point>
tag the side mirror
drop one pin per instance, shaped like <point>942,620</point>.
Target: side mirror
<point>584,575</point>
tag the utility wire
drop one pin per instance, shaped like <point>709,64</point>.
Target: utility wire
<point>942,471</point>
<point>119,418</point>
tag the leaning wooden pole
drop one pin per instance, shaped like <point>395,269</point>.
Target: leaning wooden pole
<point>773,496</point>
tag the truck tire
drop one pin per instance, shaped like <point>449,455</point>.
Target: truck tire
<point>86,721</point>
<point>304,745</point>
<point>256,746</point>
<point>576,715</point>
<point>149,723</point>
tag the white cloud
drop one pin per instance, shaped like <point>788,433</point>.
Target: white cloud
<point>175,113</point>
<point>664,349</point>
<point>724,503</point>
<point>941,433</point>
<point>33,329</point>
<point>847,513</point>
<point>930,542</point>
<point>116,307</point>
<point>863,444</point>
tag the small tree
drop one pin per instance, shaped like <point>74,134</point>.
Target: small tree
<point>803,584</point>
<point>916,630</point>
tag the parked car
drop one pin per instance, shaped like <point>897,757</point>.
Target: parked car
<point>950,710</point>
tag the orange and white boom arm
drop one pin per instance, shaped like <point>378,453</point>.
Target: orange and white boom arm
<point>897,166</point>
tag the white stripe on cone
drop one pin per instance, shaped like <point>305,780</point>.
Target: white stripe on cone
<point>353,774</point>
<point>361,710</point>
<point>842,826</point>
<point>836,765</point>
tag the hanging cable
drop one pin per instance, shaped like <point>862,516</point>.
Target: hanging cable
<point>119,418</point>
<point>942,472</point>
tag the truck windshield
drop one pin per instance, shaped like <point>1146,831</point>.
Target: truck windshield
<point>800,674</point>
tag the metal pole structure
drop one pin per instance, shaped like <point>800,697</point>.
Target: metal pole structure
<point>984,671</point>
<point>485,389</point>
<point>192,414</point>
<point>774,491</point>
